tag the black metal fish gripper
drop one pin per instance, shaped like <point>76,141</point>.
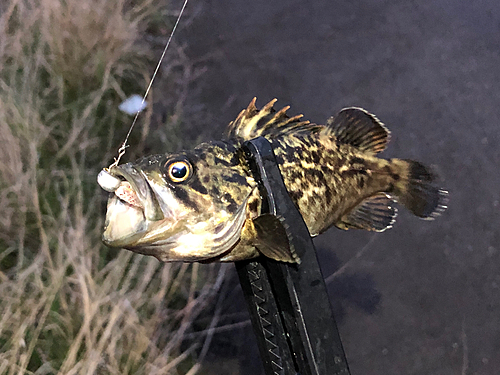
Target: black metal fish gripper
<point>288,303</point>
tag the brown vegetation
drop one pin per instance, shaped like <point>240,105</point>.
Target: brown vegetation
<point>69,305</point>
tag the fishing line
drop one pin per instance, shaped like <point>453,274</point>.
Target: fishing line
<point>123,147</point>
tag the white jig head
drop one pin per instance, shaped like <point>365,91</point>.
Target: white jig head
<point>107,181</point>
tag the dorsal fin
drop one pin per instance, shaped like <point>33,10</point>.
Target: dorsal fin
<point>252,123</point>
<point>359,128</point>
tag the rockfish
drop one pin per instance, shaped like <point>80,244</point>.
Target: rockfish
<point>204,205</point>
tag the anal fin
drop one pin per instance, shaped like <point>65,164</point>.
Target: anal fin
<point>376,213</point>
<point>271,239</point>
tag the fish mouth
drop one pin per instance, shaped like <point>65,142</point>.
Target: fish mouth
<point>132,209</point>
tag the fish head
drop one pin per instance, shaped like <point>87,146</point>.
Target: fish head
<point>187,206</point>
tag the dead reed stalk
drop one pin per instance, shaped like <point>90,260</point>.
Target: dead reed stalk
<point>68,305</point>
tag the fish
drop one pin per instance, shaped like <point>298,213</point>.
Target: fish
<point>204,205</point>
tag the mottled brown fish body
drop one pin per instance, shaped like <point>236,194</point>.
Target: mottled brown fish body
<point>204,205</point>
<point>326,179</point>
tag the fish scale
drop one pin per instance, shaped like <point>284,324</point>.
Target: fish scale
<point>332,172</point>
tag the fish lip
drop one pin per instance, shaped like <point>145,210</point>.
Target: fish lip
<point>128,222</point>
<point>132,176</point>
<point>142,188</point>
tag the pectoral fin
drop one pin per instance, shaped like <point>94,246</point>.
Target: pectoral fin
<point>376,213</point>
<point>270,238</point>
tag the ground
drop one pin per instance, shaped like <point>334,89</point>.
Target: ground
<point>423,297</point>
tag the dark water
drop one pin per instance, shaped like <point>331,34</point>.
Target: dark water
<point>424,297</point>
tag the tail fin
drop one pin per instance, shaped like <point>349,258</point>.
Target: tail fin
<point>417,191</point>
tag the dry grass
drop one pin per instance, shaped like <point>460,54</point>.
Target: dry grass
<point>68,305</point>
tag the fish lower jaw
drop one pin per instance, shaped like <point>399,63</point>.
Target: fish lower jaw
<point>172,251</point>
<point>190,247</point>
<point>125,224</point>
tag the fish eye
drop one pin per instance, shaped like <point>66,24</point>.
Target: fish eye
<point>178,170</point>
